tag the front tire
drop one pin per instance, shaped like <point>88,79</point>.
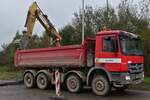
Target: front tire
<point>101,85</point>
<point>29,80</point>
<point>42,81</point>
<point>74,83</point>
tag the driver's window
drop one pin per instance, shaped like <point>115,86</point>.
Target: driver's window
<point>109,44</point>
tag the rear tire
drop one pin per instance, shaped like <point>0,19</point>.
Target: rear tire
<point>101,85</point>
<point>42,81</point>
<point>29,80</point>
<point>74,83</point>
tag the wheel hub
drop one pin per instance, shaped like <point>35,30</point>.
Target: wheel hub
<point>73,83</point>
<point>42,81</point>
<point>28,80</point>
<point>100,85</point>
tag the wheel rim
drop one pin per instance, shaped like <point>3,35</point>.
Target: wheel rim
<point>100,86</point>
<point>73,84</point>
<point>42,81</point>
<point>28,80</point>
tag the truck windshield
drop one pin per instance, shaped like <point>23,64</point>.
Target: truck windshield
<point>130,45</point>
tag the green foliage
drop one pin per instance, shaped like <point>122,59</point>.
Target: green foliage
<point>89,25</point>
<point>69,35</point>
<point>34,42</point>
<point>45,40</point>
<point>7,55</point>
<point>145,35</point>
<point>39,42</point>
<point>7,74</point>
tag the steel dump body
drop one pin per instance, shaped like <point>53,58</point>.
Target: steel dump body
<point>67,56</point>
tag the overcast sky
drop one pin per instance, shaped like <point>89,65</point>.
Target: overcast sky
<point>13,14</point>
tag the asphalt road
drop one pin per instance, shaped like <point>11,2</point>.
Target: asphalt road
<point>19,92</point>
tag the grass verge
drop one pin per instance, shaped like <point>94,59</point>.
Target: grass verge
<point>7,74</point>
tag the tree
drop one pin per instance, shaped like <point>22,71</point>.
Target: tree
<point>69,35</point>
<point>103,17</point>
<point>89,25</point>
<point>145,35</point>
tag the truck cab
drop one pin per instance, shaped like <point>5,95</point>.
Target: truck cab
<point>119,53</point>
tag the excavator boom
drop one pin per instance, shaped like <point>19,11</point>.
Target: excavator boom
<point>35,13</point>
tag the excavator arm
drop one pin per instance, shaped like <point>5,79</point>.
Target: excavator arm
<point>35,13</point>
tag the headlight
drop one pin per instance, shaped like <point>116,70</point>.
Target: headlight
<point>127,77</point>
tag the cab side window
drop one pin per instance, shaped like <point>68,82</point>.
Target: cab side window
<point>109,44</point>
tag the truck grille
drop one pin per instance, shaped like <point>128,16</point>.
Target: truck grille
<point>135,68</point>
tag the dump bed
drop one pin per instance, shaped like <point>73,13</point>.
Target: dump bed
<point>67,56</point>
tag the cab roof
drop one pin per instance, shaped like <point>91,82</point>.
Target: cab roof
<point>109,32</point>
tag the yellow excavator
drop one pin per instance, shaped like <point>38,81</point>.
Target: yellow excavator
<point>35,13</point>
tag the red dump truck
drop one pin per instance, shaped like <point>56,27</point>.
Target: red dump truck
<point>111,59</point>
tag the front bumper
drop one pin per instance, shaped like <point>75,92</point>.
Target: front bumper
<point>127,78</point>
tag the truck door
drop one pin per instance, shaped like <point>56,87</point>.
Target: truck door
<point>90,54</point>
<point>107,54</point>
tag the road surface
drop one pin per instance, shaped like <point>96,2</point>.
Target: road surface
<point>19,92</point>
